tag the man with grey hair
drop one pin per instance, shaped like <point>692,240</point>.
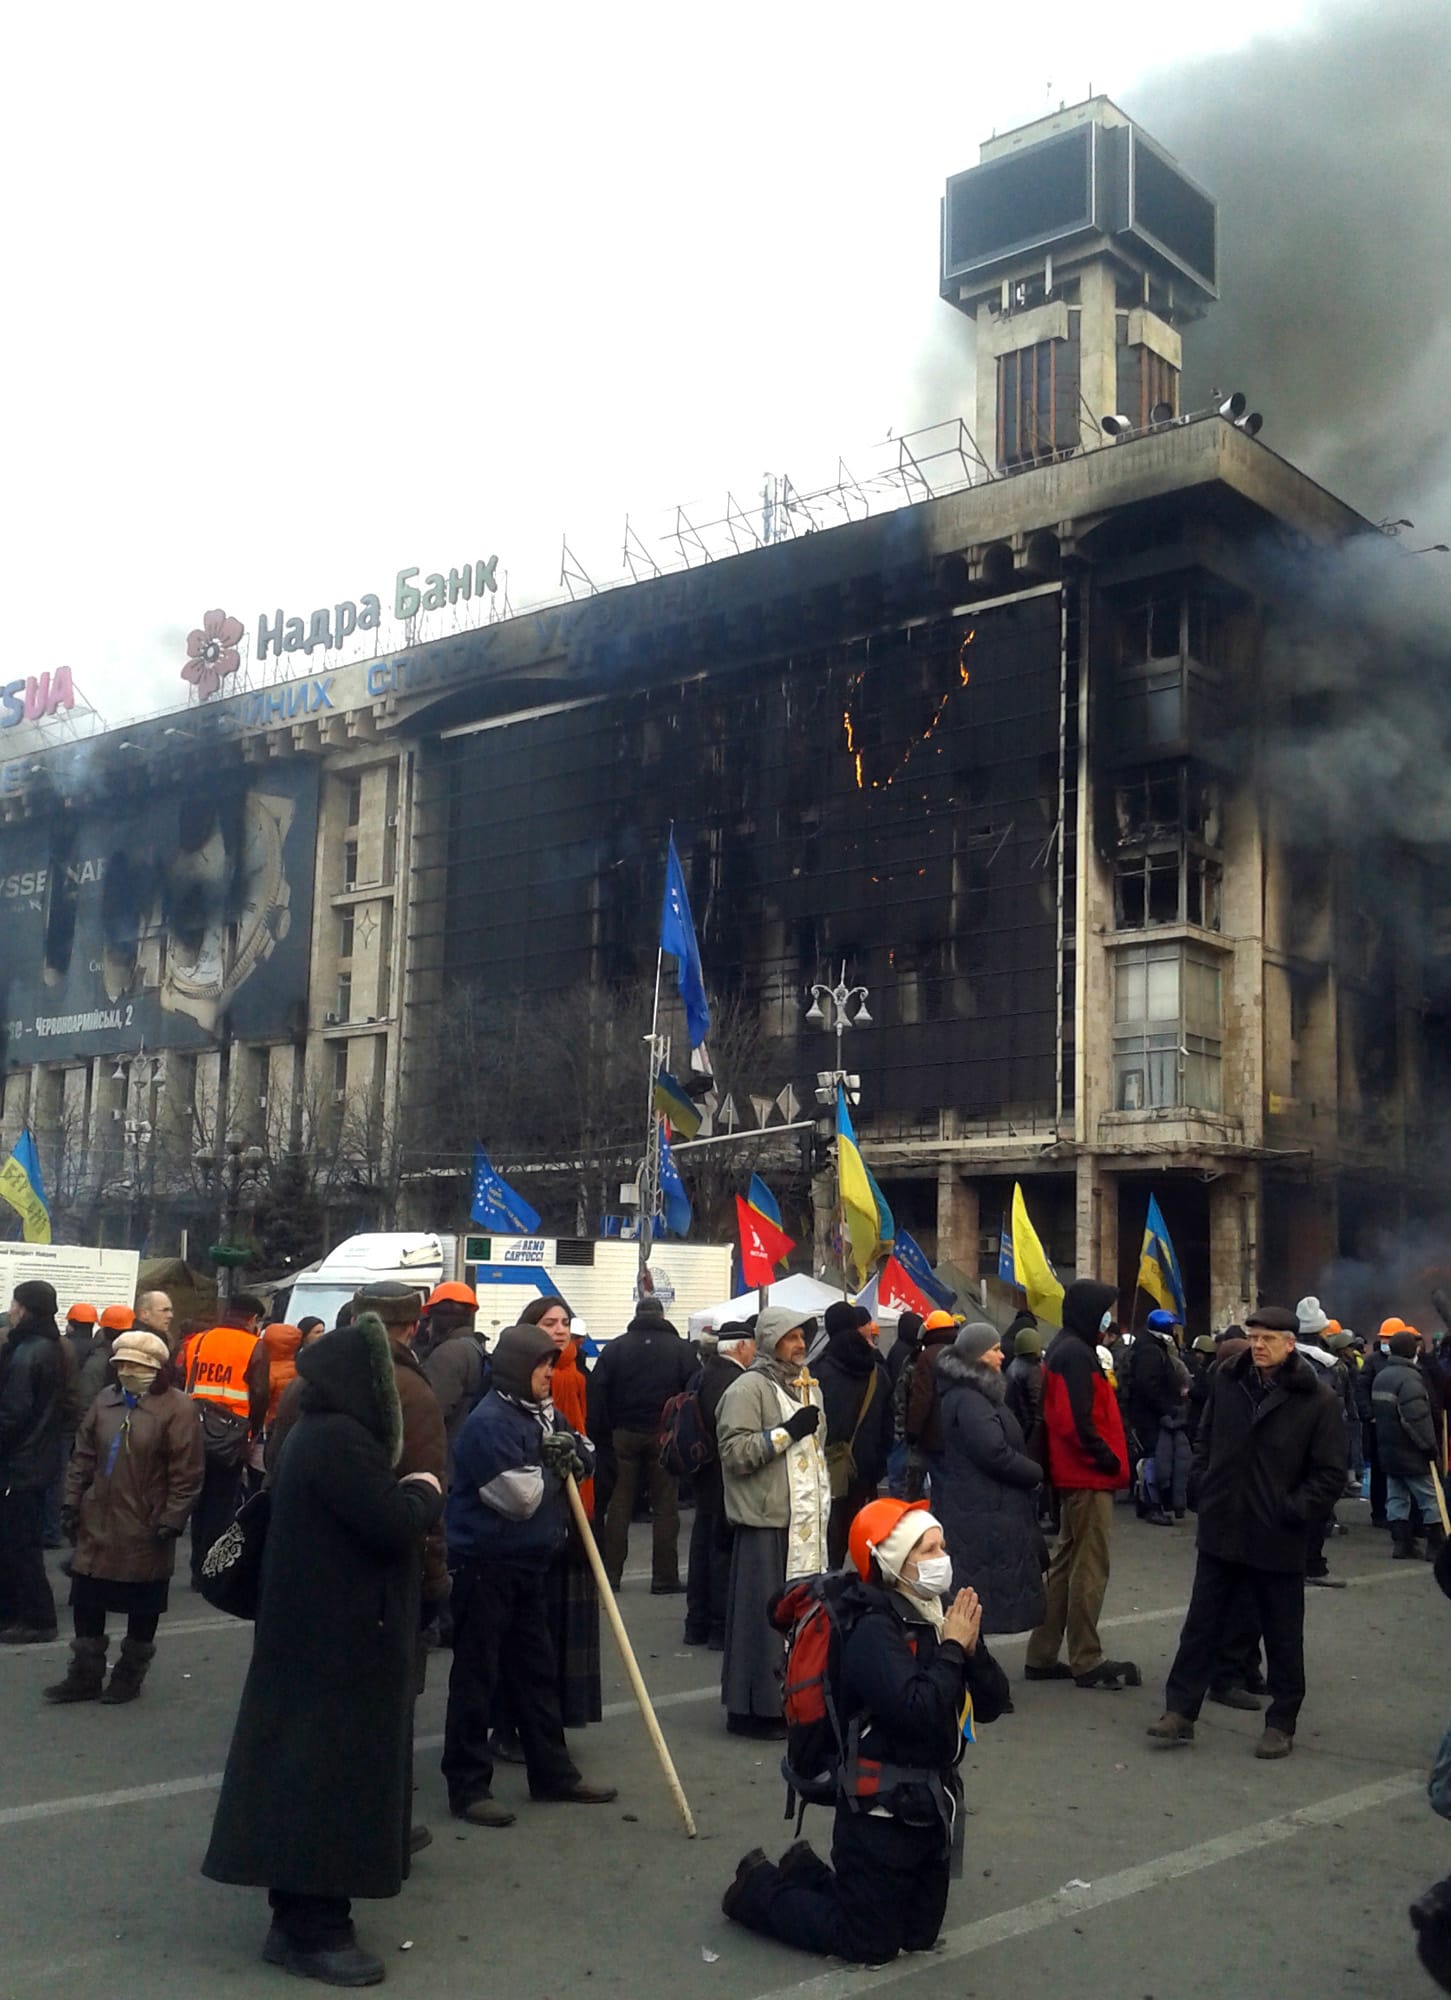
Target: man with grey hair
<point>732,1349</point>
<point>156,1314</point>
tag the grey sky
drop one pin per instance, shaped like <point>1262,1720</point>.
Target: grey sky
<point>301,294</point>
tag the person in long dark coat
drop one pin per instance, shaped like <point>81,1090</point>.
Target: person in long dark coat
<point>987,1497</point>
<point>856,1397</point>
<point>315,1802</point>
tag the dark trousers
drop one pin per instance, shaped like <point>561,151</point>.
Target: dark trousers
<point>501,1643</point>
<point>885,1892</point>
<point>637,1460</point>
<point>50,1529</point>
<point>313,1923</point>
<point>1279,1601</point>
<point>1238,1662</point>
<point>25,1593</point>
<point>140,1625</point>
<point>838,1524</point>
<point>1171,1467</point>
<point>215,1509</point>
<point>709,1575</point>
<point>1377,1475</point>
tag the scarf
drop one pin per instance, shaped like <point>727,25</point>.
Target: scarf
<point>571,1400</point>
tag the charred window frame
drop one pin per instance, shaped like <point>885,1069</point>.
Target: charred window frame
<point>1168,1033</point>
<point>1168,868</point>
<point>1038,400</point>
<point>1168,668</point>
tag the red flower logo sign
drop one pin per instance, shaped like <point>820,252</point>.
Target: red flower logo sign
<point>212,652</point>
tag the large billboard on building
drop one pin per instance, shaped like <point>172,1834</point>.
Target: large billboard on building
<point>886,803</point>
<point>154,920</point>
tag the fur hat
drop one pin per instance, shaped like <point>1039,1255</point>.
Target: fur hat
<point>518,1354</point>
<point>143,1350</point>
<point>396,1304</point>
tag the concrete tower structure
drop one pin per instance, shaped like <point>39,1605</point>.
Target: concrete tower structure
<point>1079,248</point>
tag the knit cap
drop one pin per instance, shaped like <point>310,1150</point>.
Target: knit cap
<point>518,1354</point>
<point>1311,1316</point>
<point>37,1296</point>
<point>976,1340</point>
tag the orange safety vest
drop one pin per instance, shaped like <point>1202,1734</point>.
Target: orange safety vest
<point>216,1368</point>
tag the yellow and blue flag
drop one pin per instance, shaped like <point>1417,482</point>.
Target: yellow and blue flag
<point>22,1187</point>
<point>1159,1274</point>
<point>674,1103</point>
<point>870,1225</point>
<point>1035,1275</point>
<point>760,1198</point>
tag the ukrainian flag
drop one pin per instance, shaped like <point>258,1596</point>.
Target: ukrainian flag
<point>1158,1266</point>
<point>870,1225</point>
<point>1035,1274</point>
<point>673,1103</point>
<point>22,1187</point>
<point>760,1198</point>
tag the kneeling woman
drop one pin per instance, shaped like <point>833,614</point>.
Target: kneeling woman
<point>911,1674</point>
<point>131,1482</point>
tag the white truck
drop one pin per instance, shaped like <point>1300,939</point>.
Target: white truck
<point>596,1277</point>
<point>99,1277</point>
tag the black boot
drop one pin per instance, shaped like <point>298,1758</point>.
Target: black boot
<point>1403,1542</point>
<point>129,1672</point>
<point>84,1675</point>
<point>1435,1541</point>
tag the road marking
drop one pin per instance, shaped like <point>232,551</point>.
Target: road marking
<point>178,1788</point>
<point>970,1939</point>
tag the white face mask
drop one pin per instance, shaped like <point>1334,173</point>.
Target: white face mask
<point>934,1576</point>
<point>1105,1323</point>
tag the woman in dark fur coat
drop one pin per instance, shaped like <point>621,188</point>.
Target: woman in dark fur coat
<point>987,1495</point>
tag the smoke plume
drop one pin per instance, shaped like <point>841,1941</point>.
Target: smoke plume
<point>1329,151</point>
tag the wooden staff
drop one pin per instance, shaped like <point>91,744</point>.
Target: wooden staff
<point>627,1656</point>
<point>1440,1499</point>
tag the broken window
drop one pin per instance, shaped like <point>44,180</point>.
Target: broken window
<point>1038,411</point>
<point>1168,1029</point>
<point>1166,820</point>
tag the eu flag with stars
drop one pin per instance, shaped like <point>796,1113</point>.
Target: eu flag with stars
<point>674,1201</point>
<point>496,1206</point>
<point>677,936</point>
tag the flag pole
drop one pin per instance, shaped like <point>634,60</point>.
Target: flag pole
<point>652,1127</point>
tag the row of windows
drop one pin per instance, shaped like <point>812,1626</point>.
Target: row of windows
<point>1168,1026</point>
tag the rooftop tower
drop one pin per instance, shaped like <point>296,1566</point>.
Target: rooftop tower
<point>1080,248</point>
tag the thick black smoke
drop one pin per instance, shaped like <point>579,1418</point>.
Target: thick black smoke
<point>1329,152</point>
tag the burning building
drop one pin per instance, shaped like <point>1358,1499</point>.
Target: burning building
<point>1013,753</point>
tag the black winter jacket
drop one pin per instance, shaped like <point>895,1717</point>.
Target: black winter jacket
<point>1152,1391</point>
<point>1405,1430</point>
<point>35,1399</point>
<point>910,1683</point>
<point>844,1370</point>
<point>1024,1378</point>
<point>717,1373</point>
<point>635,1377</point>
<point>1268,1461</point>
<point>986,1498</point>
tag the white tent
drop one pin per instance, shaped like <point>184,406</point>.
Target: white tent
<point>800,1292</point>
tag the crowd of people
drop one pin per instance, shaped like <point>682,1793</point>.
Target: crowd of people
<point>417,1487</point>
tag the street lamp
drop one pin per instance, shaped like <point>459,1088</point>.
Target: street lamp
<point>236,1172</point>
<point>837,1008</point>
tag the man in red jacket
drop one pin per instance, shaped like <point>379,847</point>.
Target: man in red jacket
<point>1088,1462</point>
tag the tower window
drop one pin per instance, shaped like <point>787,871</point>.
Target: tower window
<point>1037,402</point>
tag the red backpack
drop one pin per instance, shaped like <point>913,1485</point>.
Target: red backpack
<point>816,1613</point>
<point>685,1443</point>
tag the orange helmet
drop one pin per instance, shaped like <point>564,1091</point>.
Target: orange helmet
<point>1390,1326</point>
<point>451,1294</point>
<point>873,1525</point>
<point>118,1319</point>
<point>82,1315</point>
<point>936,1320</point>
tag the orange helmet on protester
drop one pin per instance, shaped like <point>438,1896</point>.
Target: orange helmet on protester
<point>451,1294</point>
<point>936,1320</point>
<point>118,1319</point>
<point>1390,1326</point>
<point>873,1525</point>
<point>82,1315</point>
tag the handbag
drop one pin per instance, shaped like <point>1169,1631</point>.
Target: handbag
<point>231,1578</point>
<point>841,1456</point>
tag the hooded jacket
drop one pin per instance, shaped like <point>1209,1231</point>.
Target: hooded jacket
<point>281,1342</point>
<point>749,1438</point>
<point>316,1791</point>
<point>1269,1462</point>
<point>1082,1425</point>
<point>1405,1430</point>
<point>35,1395</point>
<point>635,1377</point>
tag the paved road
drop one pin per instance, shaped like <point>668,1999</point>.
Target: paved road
<point>1209,1874</point>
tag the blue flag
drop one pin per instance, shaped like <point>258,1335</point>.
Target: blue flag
<point>1007,1268</point>
<point>677,936</point>
<point>913,1260</point>
<point>496,1206</point>
<point>674,1201</point>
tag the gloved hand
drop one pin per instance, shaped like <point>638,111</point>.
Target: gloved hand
<point>559,1454</point>
<point>806,1420</point>
<point>165,1535</point>
<point>70,1523</point>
